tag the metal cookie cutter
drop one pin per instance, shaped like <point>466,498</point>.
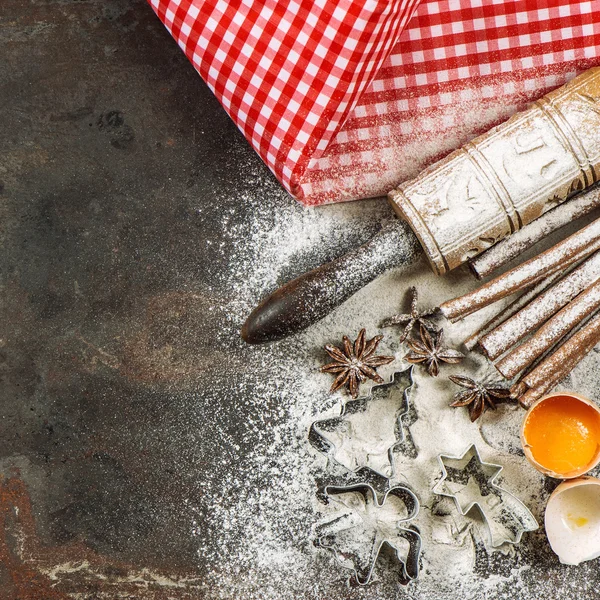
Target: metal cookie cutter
<point>472,484</point>
<point>363,526</point>
<point>370,428</point>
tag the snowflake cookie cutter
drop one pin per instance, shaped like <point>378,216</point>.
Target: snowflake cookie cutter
<point>370,428</point>
<point>364,526</point>
<point>472,484</point>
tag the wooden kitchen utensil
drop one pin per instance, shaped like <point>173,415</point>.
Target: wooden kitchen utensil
<point>460,206</point>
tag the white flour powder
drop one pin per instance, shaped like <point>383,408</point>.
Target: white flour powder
<point>261,525</point>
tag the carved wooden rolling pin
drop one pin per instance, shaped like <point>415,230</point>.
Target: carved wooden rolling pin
<point>462,205</point>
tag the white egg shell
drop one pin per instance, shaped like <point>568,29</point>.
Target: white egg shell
<point>572,520</point>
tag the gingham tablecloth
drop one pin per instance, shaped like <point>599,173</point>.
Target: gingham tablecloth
<point>345,99</point>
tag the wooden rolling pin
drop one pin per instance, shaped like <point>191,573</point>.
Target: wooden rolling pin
<point>460,206</point>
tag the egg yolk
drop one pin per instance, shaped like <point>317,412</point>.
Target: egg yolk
<point>577,521</point>
<point>563,434</point>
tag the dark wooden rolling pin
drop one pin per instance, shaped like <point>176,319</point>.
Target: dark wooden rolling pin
<point>460,206</point>
<point>310,297</point>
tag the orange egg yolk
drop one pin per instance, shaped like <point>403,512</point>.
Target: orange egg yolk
<point>563,434</point>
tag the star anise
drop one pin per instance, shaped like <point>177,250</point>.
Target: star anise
<point>409,320</point>
<point>477,396</point>
<point>355,363</point>
<point>430,351</point>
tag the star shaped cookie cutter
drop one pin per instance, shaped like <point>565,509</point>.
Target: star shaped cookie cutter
<point>370,428</point>
<point>363,526</point>
<point>506,517</point>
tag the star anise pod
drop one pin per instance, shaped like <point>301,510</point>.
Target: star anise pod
<point>477,396</point>
<point>430,351</point>
<point>355,363</point>
<point>409,320</point>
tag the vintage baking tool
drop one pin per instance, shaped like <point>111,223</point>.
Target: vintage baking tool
<point>363,525</point>
<point>561,435</point>
<point>572,520</point>
<point>460,206</point>
<point>312,296</point>
<point>471,483</point>
<point>369,428</point>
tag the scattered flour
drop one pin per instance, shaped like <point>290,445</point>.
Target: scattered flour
<point>256,531</point>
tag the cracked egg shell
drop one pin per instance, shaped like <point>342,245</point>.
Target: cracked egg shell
<point>561,435</point>
<point>572,520</point>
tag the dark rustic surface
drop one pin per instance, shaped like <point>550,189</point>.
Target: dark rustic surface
<point>116,167</point>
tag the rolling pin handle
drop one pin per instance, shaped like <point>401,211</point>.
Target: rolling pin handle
<point>310,297</point>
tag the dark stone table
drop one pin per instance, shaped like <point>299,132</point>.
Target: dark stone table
<point>145,451</point>
<point>117,168</point>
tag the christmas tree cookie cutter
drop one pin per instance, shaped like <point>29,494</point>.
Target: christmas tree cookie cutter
<point>363,526</point>
<point>370,428</point>
<point>472,484</point>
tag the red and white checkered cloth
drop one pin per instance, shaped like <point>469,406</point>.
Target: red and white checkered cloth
<point>344,99</point>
